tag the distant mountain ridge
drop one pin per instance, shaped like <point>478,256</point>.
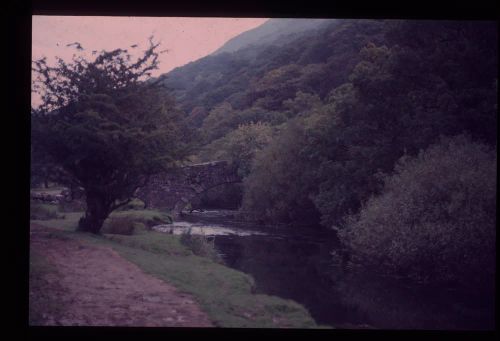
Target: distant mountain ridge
<point>270,32</point>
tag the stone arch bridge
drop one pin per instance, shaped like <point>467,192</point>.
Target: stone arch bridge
<point>175,190</point>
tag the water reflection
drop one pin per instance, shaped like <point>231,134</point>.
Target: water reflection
<point>391,303</point>
<point>293,269</point>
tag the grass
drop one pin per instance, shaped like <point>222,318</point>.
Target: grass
<point>44,211</point>
<point>135,204</point>
<point>121,225</point>
<point>67,224</point>
<point>226,295</point>
<point>147,217</point>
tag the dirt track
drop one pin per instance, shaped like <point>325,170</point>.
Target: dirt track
<point>94,286</point>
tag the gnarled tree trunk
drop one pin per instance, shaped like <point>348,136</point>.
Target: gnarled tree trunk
<point>98,209</point>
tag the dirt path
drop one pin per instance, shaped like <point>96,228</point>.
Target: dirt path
<point>94,286</point>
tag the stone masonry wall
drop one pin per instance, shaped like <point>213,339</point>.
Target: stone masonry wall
<point>173,191</point>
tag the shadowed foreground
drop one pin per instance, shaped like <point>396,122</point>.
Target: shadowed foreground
<point>94,286</point>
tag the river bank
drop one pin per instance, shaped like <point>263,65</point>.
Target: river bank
<point>227,296</point>
<point>297,264</point>
<point>280,277</point>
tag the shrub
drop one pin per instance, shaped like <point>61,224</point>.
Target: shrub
<point>71,206</point>
<point>43,211</point>
<point>119,225</point>
<point>159,219</point>
<point>134,221</point>
<point>201,246</point>
<point>139,227</point>
<point>135,204</point>
<point>435,220</point>
<point>149,218</point>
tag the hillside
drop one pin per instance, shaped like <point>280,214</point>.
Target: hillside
<point>324,59</point>
<point>273,31</point>
<point>371,90</point>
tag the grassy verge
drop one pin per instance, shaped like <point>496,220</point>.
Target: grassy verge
<point>44,211</point>
<point>147,217</point>
<point>223,293</point>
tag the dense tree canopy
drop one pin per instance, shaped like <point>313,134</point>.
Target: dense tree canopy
<point>395,101</point>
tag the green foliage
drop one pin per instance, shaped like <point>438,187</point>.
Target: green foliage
<point>301,104</point>
<point>281,180</point>
<point>395,101</point>
<point>279,83</point>
<point>224,119</point>
<point>135,204</point>
<point>240,145</point>
<point>119,225</point>
<point>395,105</point>
<point>105,126</point>
<point>435,219</point>
<point>218,122</point>
<point>41,168</point>
<point>149,218</point>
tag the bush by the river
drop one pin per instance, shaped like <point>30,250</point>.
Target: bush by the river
<point>135,204</point>
<point>134,221</point>
<point>201,246</point>
<point>149,218</point>
<point>435,220</point>
<point>119,225</point>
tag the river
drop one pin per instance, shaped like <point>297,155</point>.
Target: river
<point>296,263</point>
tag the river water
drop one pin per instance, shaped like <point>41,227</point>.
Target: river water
<point>296,264</point>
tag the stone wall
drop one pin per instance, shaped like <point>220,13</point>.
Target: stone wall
<point>47,197</point>
<point>173,191</point>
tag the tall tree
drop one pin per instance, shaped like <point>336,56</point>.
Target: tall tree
<point>107,125</point>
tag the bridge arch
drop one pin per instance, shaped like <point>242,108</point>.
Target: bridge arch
<point>174,191</point>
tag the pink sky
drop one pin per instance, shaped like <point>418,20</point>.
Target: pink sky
<point>187,39</point>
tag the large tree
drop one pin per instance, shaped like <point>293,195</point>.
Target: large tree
<point>107,126</point>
